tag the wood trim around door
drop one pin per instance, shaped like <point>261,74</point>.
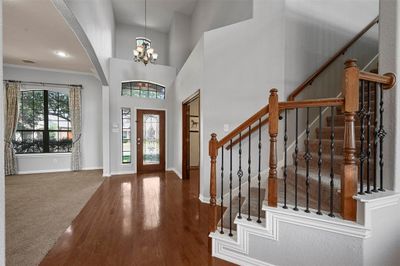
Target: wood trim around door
<point>142,168</point>
<point>186,134</point>
<point>185,141</point>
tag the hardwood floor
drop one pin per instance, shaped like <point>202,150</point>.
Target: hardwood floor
<point>149,219</point>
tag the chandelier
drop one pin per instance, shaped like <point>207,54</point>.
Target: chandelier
<point>143,52</point>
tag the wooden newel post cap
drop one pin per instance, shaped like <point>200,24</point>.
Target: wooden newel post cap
<point>213,136</point>
<point>350,63</point>
<point>393,80</point>
<point>274,91</point>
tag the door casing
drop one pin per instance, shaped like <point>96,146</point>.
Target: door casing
<point>141,168</point>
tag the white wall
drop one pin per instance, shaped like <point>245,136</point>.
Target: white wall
<point>123,70</point>
<point>97,20</point>
<point>316,30</point>
<point>212,14</point>
<point>389,61</point>
<point>189,80</point>
<point>125,42</point>
<point>233,85</point>
<point>179,40</point>
<point>2,188</point>
<point>91,147</point>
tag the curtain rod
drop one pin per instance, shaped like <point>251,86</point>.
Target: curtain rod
<point>44,83</point>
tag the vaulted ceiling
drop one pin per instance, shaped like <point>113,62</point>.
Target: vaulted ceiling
<point>35,31</point>
<point>159,12</point>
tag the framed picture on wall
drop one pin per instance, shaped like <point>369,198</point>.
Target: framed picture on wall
<point>194,124</point>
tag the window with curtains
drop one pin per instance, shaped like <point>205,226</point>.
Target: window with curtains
<point>143,89</point>
<point>126,135</point>
<point>44,124</point>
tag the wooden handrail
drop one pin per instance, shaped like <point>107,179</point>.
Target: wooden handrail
<point>311,78</point>
<point>327,102</point>
<point>388,80</point>
<point>263,111</point>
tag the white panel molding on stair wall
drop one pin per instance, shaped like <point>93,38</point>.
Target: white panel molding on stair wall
<point>288,237</point>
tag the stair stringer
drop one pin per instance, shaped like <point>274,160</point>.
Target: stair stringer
<point>237,248</point>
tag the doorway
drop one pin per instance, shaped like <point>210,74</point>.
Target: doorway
<point>191,140</point>
<point>150,141</point>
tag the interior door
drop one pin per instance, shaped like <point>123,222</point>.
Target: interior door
<point>150,141</point>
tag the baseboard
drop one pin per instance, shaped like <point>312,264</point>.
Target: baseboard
<point>57,170</point>
<point>179,174</point>
<point>122,173</point>
<point>204,199</point>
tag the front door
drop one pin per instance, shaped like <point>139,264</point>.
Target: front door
<point>150,141</point>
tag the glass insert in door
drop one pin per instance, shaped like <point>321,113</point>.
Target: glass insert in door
<point>151,139</point>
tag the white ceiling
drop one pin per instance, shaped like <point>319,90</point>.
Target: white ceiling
<point>34,30</point>
<point>159,12</point>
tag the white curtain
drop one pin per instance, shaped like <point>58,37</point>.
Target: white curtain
<point>75,114</point>
<point>11,119</point>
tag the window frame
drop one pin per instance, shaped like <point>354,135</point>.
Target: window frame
<point>130,85</point>
<point>122,135</point>
<point>45,131</point>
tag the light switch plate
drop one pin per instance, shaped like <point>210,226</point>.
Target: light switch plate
<point>226,128</point>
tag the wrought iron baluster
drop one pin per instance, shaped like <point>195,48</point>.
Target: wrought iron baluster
<point>368,116</point>
<point>332,174</point>
<point>376,122</point>
<point>222,190</point>
<point>381,136</point>
<point>249,177</point>
<point>361,115</point>
<point>296,160</point>
<point>285,139</point>
<point>259,171</point>
<point>319,160</point>
<point>230,189</point>
<point>240,175</point>
<point>307,158</point>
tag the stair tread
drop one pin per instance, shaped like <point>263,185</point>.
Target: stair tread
<point>313,175</point>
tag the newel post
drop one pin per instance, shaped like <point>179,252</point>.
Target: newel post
<point>273,156</point>
<point>350,169</point>
<point>213,153</point>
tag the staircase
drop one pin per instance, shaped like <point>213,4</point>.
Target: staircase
<point>326,179</point>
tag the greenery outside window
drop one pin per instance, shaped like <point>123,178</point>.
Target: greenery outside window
<point>126,135</point>
<point>44,124</point>
<point>143,89</point>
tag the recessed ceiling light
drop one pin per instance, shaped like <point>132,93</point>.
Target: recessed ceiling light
<point>61,54</point>
<point>28,61</point>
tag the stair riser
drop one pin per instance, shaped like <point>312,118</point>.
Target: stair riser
<point>339,109</point>
<point>339,133</point>
<point>326,164</point>
<point>339,121</point>
<point>313,192</point>
<point>326,147</point>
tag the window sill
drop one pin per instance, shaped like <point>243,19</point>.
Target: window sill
<point>30,155</point>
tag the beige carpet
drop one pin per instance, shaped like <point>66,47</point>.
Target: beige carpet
<point>40,207</point>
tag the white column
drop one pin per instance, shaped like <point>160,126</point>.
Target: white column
<point>106,129</point>
<point>389,61</point>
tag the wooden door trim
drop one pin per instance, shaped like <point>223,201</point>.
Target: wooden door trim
<point>163,139</point>
<point>186,134</point>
